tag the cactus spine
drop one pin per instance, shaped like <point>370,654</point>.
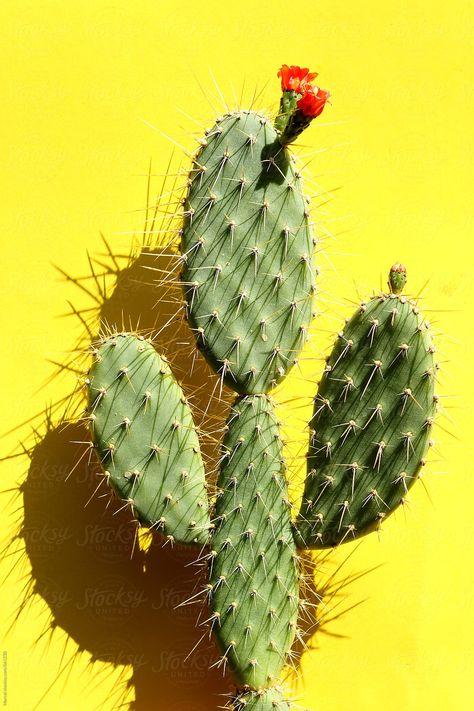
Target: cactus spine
<point>248,273</point>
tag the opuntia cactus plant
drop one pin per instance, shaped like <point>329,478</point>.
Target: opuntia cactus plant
<point>248,273</point>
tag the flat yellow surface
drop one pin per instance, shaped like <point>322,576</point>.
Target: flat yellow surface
<point>84,86</point>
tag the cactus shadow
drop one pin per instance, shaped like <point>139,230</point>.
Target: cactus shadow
<point>119,603</point>
<point>146,298</point>
<point>276,162</point>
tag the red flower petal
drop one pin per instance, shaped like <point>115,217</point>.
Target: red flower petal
<point>294,78</point>
<point>313,101</point>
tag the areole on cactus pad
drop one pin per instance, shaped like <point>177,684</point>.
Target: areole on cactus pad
<point>270,699</point>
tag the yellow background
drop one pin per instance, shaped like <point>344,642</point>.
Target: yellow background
<point>81,82</point>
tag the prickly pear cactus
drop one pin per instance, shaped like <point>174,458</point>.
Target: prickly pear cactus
<point>249,279</point>
<point>145,438</point>
<point>253,561</point>
<point>247,243</point>
<point>372,420</point>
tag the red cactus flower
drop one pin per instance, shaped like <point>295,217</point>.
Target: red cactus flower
<point>300,102</point>
<point>312,101</point>
<point>295,78</point>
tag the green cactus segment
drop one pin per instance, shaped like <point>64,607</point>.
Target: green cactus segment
<point>397,278</point>
<point>248,254</point>
<point>253,562</point>
<point>261,700</point>
<point>371,423</point>
<point>145,437</point>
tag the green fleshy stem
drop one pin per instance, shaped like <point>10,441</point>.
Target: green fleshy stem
<point>291,121</point>
<point>288,105</point>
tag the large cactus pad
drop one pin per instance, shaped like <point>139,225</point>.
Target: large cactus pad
<point>144,434</point>
<point>254,567</point>
<point>371,424</point>
<point>249,268</point>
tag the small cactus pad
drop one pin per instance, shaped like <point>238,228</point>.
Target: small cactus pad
<point>144,434</point>
<point>253,562</point>
<point>397,278</point>
<point>248,254</point>
<point>262,700</point>
<point>371,423</point>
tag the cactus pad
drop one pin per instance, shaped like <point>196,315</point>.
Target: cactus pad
<point>145,438</point>
<point>371,423</point>
<point>248,254</point>
<point>253,562</point>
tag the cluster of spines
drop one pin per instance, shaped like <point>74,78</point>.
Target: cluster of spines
<point>271,699</point>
